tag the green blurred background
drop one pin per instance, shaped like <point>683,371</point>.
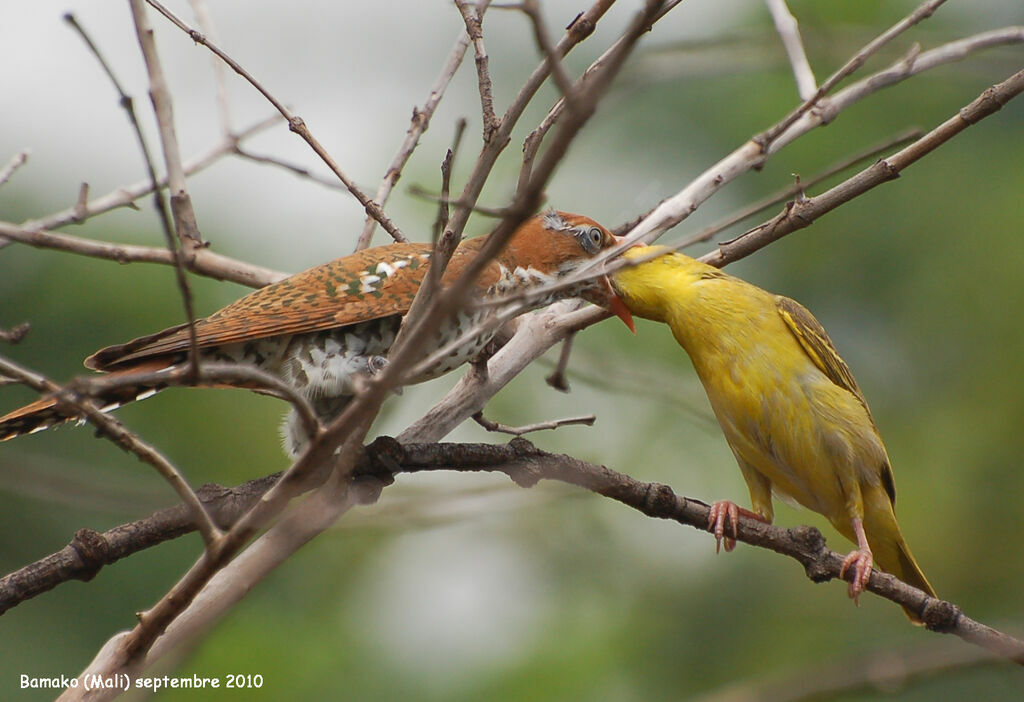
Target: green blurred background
<point>460,587</point>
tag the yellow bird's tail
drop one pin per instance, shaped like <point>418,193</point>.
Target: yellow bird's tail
<point>892,554</point>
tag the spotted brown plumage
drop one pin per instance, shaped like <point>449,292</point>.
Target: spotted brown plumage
<point>322,329</point>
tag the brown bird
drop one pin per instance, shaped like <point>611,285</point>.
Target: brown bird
<point>322,330</point>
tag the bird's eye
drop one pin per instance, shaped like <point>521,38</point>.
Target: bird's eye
<point>591,239</point>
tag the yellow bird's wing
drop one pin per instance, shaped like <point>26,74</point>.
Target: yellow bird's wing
<point>815,342</point>
<point>813,339</point>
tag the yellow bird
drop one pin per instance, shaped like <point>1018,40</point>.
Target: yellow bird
<point>789,407</point>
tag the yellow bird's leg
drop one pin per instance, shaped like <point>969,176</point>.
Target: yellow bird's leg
<point>724,511</point>
<point>860,560</point>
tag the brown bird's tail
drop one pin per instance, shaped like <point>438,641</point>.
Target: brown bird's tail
<point>46,412</point>
<point>893,556</point>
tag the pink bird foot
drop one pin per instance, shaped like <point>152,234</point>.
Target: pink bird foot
<point>719,515</point>
<point>861,560</point>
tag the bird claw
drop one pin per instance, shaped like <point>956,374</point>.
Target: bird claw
<point>719,514</point>
<point>861,561</point>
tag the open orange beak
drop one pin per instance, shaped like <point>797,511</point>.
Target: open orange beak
<point>618,307</point>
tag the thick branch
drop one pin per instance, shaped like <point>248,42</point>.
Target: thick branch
<point>526,465</point>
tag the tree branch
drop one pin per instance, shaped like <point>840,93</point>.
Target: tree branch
<point>789,32</point>
<point>802,212</point>
<point>526,466</point>
<point>295,123</point>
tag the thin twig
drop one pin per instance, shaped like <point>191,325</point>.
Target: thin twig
<point>82,202</point>
<point>185,223</point>
<point>419,191</point>
<point>212,373</point>
<point>800,213</point>
<point>750,155</point>
<point>295,123</point>
<point>126,196</point>
<point>525,201</point>
<point>14,164</point>
<point>540,33</point>
<point>578,30</point>
<point>420,122</point>
<point>789,32</point>
<point>210,264</point>
<point>205,21</point>
<point>181,203</point>
<point>874,674</point>
<point>443,213</point>
<point>922,12</point>
<point>526,465</point>
<point>295,169</point>
<point>798,186</point>
<point>473,20</point>
<point>533,141</point>
<point>15,334</point>
<point>89,551</point>
<point>489,425</point>
<point>112,429</point>
<point>913,63</point>
<point>558,378</point>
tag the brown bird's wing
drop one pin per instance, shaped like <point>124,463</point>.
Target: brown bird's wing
<point>366,285</point>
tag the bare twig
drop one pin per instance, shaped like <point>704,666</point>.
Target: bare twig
<point>295,123</point>
<point>533,141</point>
<point>789,32</point>
<point>558,378</point>
<point>14,164</point>
<point>800,185</point>
<point>473,20</point>
<point>209,263</point>
<point>89,551</point>
<point>913,63</point>
<point>419,191</point>
<point>547,49</point>
<point>489,425</point>
<point>82,202</point>
<point>750,155</point>
<point>15,333</point>
<point>800,213</point>
<point>212,373</point>
<point>427,317</point>
<point>527,465</point>
<point>877,673</point>
<point>535,334</point>
<point>181,203</point>
<point>420,122</point>
<point>922,12</point>
<point>300,171</point>
<point>443,213</point>
<point>126,196</point>
<point>112,429</point>
<point>205,21</point>
<point>578,30</point>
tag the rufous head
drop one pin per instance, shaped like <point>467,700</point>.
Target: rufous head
<point>554,244</point>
